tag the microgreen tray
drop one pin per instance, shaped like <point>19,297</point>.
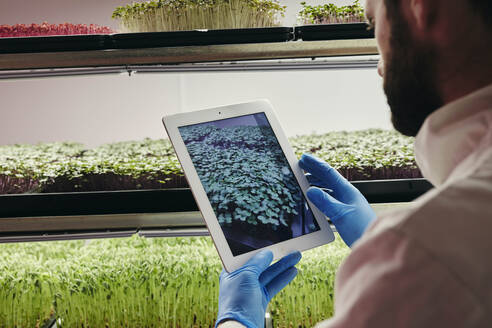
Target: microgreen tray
<point>54,43</point>
<point>201,37</point>
<point>333,32</point>
<point>168,200</point>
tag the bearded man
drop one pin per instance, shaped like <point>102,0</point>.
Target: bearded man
<point>428,265</point>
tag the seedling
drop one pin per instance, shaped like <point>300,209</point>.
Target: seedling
<point>182,15</point>
<point>45,29</point>
<point>152,164</point>
<point>331,14</point>
<point>139,282</point>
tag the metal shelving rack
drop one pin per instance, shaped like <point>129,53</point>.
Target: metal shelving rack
<point>32,217</point>
<point>256,56</point>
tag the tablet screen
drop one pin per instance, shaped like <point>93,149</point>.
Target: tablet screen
<point>248,181</point>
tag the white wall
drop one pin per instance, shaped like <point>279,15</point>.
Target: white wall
<point>305,101</point>
<point>100,109</point>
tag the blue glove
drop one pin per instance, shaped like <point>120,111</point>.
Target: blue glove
<point>347,208</point>
<point>244,294</point>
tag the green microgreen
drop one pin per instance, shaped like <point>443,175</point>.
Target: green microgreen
<point>245,175</point>
<point>139,282</point>
<point>179,15</point>
<point>331,14</point>
<point>152,164</point>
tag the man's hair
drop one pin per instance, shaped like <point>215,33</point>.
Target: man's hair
<point>483,8</point>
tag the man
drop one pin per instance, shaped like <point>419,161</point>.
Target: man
<point>429,265</point>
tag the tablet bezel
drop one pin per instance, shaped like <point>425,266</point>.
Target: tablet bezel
<point>173,122</point>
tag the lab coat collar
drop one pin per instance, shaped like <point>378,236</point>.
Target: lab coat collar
<point>452,133</point>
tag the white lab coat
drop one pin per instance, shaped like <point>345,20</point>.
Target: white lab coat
<point>430,265</point>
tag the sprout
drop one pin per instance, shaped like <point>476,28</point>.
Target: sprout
<point>179,15</point>
<point>152,164</point>
<point>331,14</point>
<point>139,282</point>
<point>19,30</point>
<point>241,168</point>
<point>362,155</point>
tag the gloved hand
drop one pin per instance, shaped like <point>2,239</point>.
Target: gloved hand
<point>244,294</point>
<point>347,208</point>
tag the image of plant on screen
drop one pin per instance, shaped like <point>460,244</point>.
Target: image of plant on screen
<point>248,181</point>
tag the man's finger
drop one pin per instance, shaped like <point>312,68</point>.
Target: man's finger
<point>327,204</point>
<point>277,268</point>
<point>314,181</point>
<point>325,173</point>
<point>280,282</point>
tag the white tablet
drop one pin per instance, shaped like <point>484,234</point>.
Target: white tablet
<point>246,181</point>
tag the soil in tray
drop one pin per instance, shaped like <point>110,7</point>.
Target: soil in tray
<point>15,185</point>
<point>382,173</point>
<point>113,182</point>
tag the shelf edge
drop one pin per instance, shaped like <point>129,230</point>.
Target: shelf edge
<point>188,54</point>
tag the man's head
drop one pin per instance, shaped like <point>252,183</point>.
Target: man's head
<point>424,46</point>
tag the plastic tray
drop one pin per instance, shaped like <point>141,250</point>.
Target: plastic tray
<point>183,38</point>
<point>201,37</point>
<point>333,32</point>
<point>54,43</point>
<point>169,200</point>
<point>97,203</point>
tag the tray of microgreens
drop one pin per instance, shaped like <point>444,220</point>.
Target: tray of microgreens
<point>66,178</point>
<point>332,22</point>
<point>157,23</point>
<point>45,37</point>
<point>152,164</point>
<point>187,15</point>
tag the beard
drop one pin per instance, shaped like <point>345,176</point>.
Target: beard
<point>410,79</point>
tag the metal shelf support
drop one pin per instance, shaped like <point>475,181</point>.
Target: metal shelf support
<point>241,66</point>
